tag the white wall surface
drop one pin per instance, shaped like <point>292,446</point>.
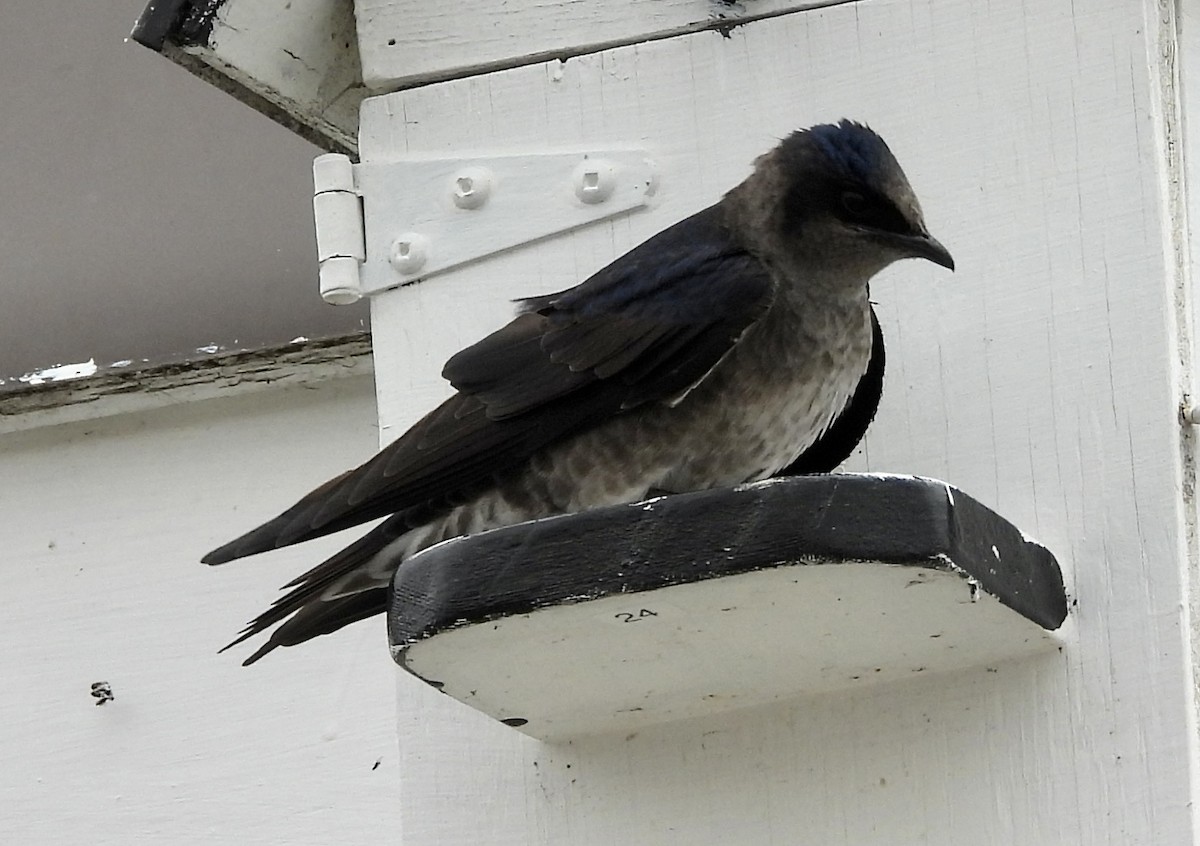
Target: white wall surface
<point>1044,378</point>
<point>102,524</point>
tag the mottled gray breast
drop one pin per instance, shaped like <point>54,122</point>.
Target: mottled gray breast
<point>761,406</point>
<point>767,401</point>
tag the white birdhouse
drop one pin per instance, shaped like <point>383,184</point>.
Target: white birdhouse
<point>508,150</point>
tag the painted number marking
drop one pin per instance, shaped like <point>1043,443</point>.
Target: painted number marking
<point>634,616</point>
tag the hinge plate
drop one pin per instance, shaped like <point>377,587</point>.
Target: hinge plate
<point>428,216</point>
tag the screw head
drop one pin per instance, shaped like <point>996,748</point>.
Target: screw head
<point>409,252</point>
<point>595,180</point>
<point>471,187</point>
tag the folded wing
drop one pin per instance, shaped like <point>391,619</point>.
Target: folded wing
<point>646,328</point>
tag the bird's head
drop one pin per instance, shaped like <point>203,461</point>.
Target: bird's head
<point>842,195</point>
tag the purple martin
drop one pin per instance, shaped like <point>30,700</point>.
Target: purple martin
<point>736,344</point>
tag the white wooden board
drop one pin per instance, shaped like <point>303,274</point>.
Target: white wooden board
<point>1043,378</point>
<point>405,42</point>
<point>300,56</point>
<point>102,523</point>
<point>721,644</point>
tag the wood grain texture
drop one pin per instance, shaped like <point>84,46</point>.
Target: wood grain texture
<point>406,43</point>
<point>1044,378</point>
<point>1180,70</point>
<point>103,522</point>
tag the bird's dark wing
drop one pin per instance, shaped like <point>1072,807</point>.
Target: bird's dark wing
<point>837,442</point>
<point>646,328</point>
<point>309,617</point>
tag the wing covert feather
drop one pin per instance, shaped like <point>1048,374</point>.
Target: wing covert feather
<point>646,328</point>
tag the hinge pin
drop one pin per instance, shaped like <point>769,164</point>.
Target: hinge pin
<point>337,213</point>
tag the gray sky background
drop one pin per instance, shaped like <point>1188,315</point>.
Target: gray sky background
<point>143,213</point>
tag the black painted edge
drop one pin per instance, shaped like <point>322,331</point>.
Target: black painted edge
<point>196,26</point>
<point>158,20</point>
<point>177,20</point>
<point>895,520</point>
<point>1021,573</point>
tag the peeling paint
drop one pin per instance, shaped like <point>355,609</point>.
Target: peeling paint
<point>60,373</point>
<point>87,392</point>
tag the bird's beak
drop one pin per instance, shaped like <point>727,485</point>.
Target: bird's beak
<point>920,245</point>
<point>927,247</point>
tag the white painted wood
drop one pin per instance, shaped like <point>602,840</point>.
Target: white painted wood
<point>1044,379</point>
<point>124,390</point>
<point>102,524</point>
<point>403,42</point>
<point>300,55</point>
<point>1184,62</point>
<point>712,646</point>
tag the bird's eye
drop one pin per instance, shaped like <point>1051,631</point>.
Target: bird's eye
<point>854,204</point>
<point>868,210</point>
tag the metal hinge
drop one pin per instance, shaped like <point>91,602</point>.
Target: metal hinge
<point>338,217</point>
<point>424,217</point>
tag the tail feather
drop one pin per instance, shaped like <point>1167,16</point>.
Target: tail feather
<point>266,537</point>
<point>318,619</point>
<point>317,608</point>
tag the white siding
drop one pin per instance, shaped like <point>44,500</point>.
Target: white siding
<point>102,525</point>
<point>1043,378</point>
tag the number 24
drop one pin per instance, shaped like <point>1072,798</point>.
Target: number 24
<point>635,616</point>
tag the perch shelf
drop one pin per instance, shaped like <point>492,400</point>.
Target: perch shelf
<point>677,607</point>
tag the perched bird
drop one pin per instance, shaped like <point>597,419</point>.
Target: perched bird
<point>735,344</point>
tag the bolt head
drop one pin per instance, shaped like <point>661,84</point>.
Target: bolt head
<point>409,252</point>
<point>594,180</point>
<point>471,187</point>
